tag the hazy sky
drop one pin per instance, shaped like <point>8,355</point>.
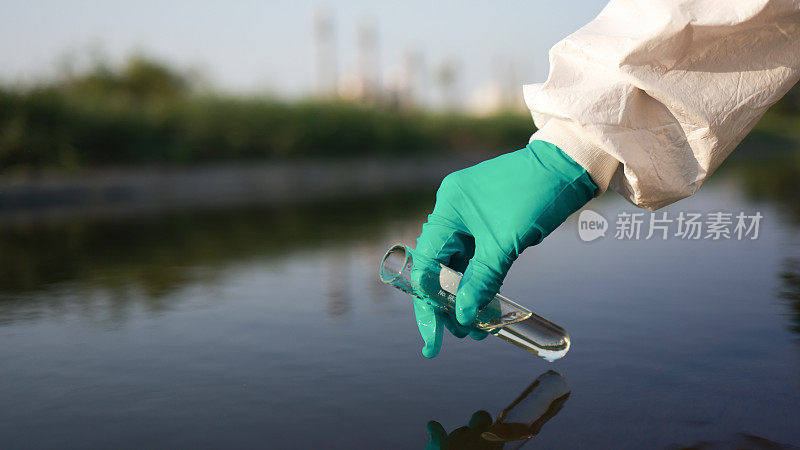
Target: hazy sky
<point>266,45</point>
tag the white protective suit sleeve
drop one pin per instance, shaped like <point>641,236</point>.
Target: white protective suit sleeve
<point>651,96</point>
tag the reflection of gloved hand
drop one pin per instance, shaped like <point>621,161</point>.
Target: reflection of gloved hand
<point>468,437</point>
<point>485,216</point>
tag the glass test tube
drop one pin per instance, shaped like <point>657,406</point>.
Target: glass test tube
<point>500,317</point>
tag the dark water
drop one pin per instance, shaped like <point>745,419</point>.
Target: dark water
<point>269,329</point>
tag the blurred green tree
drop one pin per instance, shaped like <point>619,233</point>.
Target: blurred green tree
<point>139,78</point>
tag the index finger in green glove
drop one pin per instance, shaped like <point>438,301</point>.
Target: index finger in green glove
<point>441,242</point>
<point>431,324</point>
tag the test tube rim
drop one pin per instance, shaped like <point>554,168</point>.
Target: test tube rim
<point>394,274</point>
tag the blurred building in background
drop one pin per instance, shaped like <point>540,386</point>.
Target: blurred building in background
<point>502,93</point>
<point>325,50</point>
<point>410,81</point>
<point>363,83</point>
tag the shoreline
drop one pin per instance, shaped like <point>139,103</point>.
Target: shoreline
<point>118,192</point>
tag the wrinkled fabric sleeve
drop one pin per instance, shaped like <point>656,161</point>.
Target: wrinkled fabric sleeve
<point>651,96</point>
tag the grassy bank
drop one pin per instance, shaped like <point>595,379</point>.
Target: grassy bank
<point>147,113</point>
<point>144,113</point>
<point>46,128</point>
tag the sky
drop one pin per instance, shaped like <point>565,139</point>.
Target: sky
<point>268,46</point>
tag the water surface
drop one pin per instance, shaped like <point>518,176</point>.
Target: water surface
<point>268,328</point>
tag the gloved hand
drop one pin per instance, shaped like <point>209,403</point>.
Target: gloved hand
<point>484,217</point>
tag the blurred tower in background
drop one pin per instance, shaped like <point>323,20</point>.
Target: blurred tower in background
<point>413,69</point>
<point>406,87</point>
<point>511,82</point>
<point>502,93</point>
<point>364,84</point>
<point>368,59</point>
<point>325,42</point>
<point>446,80</point>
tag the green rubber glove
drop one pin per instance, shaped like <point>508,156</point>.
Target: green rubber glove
<point>484,217</point>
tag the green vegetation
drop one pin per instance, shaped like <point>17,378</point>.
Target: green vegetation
<point>146,113</point>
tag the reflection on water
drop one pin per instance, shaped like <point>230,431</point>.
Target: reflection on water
<point>336,285</point>
<point>516,424</point>
<point>791,291</point>
<point>147,258</point>
<point>777,180</point>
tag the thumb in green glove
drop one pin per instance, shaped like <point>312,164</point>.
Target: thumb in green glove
<point>484,217</point>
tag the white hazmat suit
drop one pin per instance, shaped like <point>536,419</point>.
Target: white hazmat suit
<point>651,96</point>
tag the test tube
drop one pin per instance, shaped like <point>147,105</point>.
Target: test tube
<point>501,317</point>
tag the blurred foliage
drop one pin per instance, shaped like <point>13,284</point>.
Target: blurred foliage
<point>145,112</point>
<point>139,78</point>
<point>780,126</point>
<point>774,178</point>
<point>790,103</point>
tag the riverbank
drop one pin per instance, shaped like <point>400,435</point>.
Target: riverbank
<point>153,189</point>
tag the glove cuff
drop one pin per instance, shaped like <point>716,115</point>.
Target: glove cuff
<point>567,136</point>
